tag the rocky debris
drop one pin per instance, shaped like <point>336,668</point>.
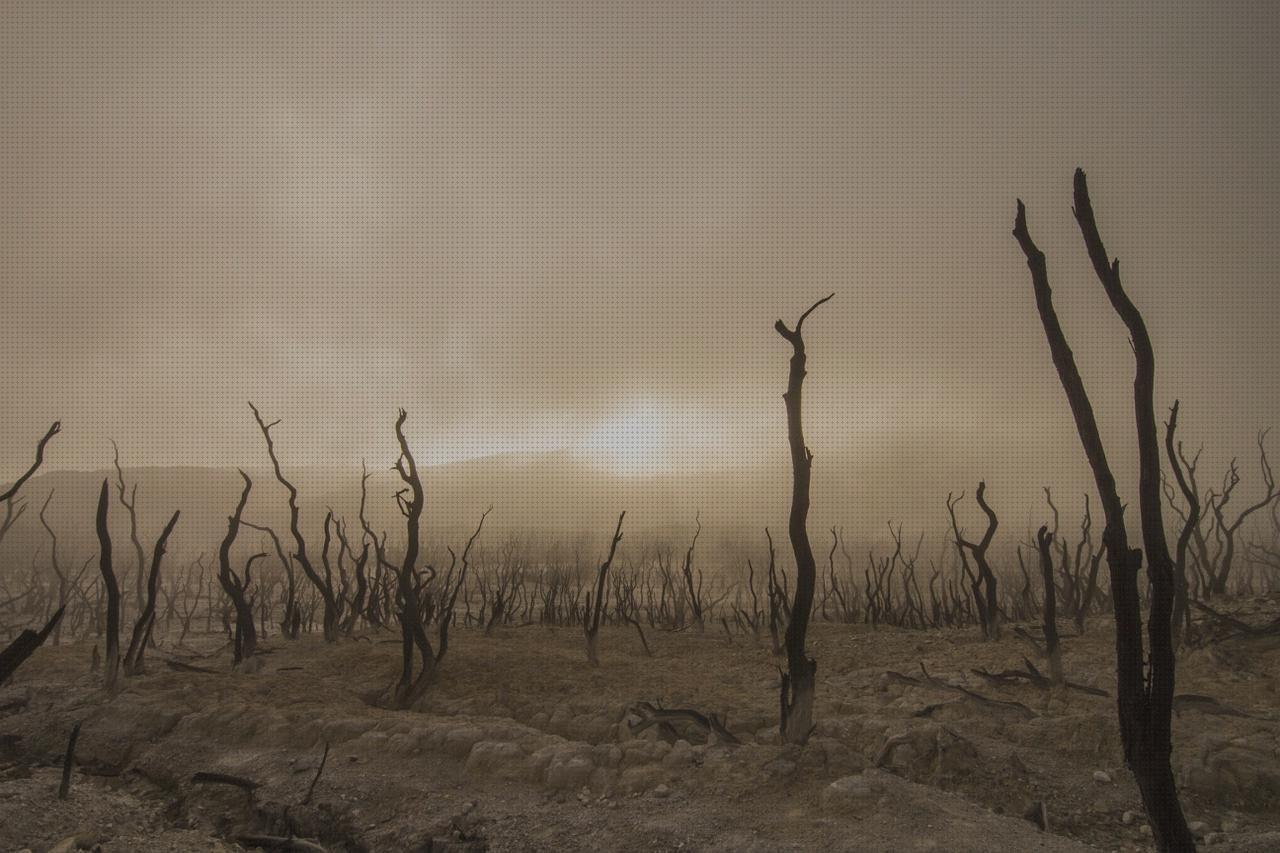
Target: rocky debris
<point>854,794</point>
<point>1242,769</point>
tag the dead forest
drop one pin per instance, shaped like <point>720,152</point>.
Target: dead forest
<point>990,665</point>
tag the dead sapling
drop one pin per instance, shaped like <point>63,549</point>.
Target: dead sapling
<point>595,606</point>
<point>799,682</point>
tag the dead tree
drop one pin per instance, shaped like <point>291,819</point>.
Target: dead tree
<point>291,618</point>
<point>111,666</point>
<point>1218,580</point>
<point>1044,541</point>
<point>12,491</point>
<point>591,613</point>
<point>983,584</point>
<point>796,699</point>
<point>326,594</point>
<point>413,632</point>
<point>1144,695</point>
<point>694,589</point>
<point>133,658</point>
<point>1190,524</point>
<point>63,581</point>
<point>449,595</point>
<point>236,588</point>
<point>129,500</point>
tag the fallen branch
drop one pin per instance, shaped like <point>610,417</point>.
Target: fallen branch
<point>319,770</point>
<point>1209,705</point>
<point>207,778</point>
<point>927,680</point>
<point>652,715</point>
<point>187,667</point>
<point>276,842</point>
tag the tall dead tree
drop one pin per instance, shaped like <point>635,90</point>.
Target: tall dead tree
<point>111,665</point>
<point>796,699</point>
<point>413,632</point>
<point>1190,524</point>
<point>129,500</point>
<point>693,588</point>
<point>1144,694</point>
<point>300,554</point>
<point>133,658</point>
<point>64,587</point>
<point>236,587</point>
<point>595,606</point>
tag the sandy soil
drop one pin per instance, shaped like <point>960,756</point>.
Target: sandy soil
<point>522,746</point>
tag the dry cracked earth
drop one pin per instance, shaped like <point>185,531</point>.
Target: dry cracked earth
<point>521,746</point>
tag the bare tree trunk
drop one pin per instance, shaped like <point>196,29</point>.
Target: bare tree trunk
<point>326,594</point>
<point>111,665</point>
<point>48,436</point>
<point>245,638</point>
<point>796,698</point>
<point>1044,539</point>
<point>133,658</point>
<point>591,613</point>
<point>1144,707</point>
<point>412,630</point>
<point>16,653</point>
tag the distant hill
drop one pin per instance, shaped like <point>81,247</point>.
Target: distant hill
<point>550,496</point>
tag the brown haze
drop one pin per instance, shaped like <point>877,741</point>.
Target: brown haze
<point>567,229</point>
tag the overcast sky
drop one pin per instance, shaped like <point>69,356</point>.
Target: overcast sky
<point>572,225</point>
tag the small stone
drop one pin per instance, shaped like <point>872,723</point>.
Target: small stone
<point>662,791</point>
<point>1145,829</point>
<point>1128,818</point>
<point>1102,777</point>
<point>1198,828</point>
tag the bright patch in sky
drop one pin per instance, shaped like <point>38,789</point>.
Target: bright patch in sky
<point>633,441</point>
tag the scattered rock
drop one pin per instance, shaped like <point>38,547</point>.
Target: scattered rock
<point>1102,777</point>
<point>852,793</point>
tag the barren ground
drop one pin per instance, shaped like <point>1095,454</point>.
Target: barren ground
<point>521,745</point>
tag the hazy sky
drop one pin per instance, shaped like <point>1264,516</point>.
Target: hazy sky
<point>550,225</point>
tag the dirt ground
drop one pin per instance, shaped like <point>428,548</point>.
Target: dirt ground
<point>521,745</point>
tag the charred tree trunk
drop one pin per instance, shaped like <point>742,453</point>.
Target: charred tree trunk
<point>326,594</point>
<point>796,700</point>
<point>591,613</point>
<point>413,632</point>
<point>1181,603</point>
<point>1144,699</point>
<point>111,665</point>
<point>16,653</point>
<point>1044,540</point>
<point>133,658</point>
<point>246,637</point>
